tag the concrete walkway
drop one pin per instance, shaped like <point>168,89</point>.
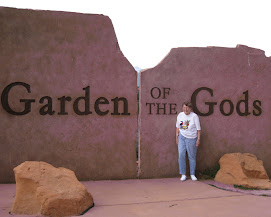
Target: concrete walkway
<point>160,197</point>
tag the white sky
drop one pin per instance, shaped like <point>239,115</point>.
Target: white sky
<point>148,29</point>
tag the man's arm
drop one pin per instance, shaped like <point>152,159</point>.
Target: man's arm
<point>198,140</point>
<point>177,133</point>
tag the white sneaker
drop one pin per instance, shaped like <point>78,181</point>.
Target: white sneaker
<point>183,178</point>
<point>193,177</point>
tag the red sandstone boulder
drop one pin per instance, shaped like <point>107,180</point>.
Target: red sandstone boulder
<point>42,188</point>
<point>242,169</point>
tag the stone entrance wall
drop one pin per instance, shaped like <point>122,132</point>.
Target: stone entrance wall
<point>69,98</point>
<point>230,88</point>
<point>68,95</point>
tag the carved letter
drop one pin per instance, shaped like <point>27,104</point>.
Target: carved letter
<point>86,100</point>
<point>5,102</point>
<point>163,108</point>
<point>210,104</point>
<point>222,107</point>
<point>172,108</point>
<point>150,104</point>
<point>116,106</point>
<point>159,92</point>
<point>62,100</point>
<point>48,107</point>
<point>165,91</point>
<point>257,107</point>
<point>101,100</point>
<point>246,113</point>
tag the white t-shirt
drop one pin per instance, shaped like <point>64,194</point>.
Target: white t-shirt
<point>188,124</point>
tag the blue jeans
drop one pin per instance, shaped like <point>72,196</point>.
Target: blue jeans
<point>189,145</point>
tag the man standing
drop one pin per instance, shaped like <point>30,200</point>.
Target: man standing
<point>187,139</point>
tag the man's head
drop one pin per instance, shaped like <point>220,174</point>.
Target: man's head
<point>187,107</point>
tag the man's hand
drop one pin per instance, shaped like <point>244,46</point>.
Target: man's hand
<point>177,141</point>
<point>198,142</point>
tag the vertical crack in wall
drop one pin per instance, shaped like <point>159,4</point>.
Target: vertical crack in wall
<point>138,127</point>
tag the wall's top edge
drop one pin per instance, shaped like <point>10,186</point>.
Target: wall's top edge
<point>50,11</point>
<point>246,49</point>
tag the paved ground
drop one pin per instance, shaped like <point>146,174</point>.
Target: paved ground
<point>160,197</point>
